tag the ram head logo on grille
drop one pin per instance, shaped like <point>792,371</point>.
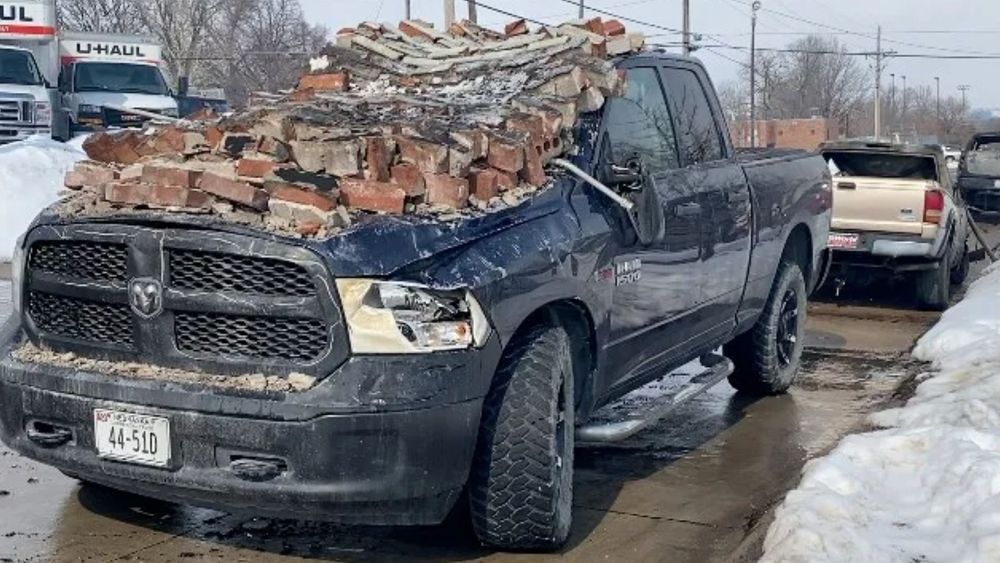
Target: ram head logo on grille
<point>145,295</point>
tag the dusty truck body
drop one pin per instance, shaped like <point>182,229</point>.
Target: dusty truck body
<point>896,211</point>
<point>447,356</point>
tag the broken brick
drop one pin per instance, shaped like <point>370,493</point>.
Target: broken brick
<point>591,99</point>
<point>378,157</point>
<point>533,172</point>
<point>309,228</point>
<point>408,177</point>
<point>413,31</point>
<point>234,190</point>
<point>531,124</point>
<point>614,27</point>
<point>274,148</point>
<point>372,195</point>
<point>506,180</point>
<point>431,158</point>
<point>507,153</point>
<point>297,213</point>
<point>168,140</point>
<point>303,95</point>
<point>516,27</point>
<point>300,195</point>
<point>254,168</point>
<point>326,82</point>
<point>339,158</point>
<point>459,162</point>
<point>474,140</point>
<point>213,136</point>
<point>88,174</point>
<point>443,189</point>
<point>168,176</point>
<point>156,196</point>
<point>484,184</point>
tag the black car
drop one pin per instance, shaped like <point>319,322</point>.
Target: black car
<point>979,174</point>
<point>448,357</point>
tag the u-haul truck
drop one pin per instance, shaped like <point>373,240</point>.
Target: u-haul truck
<point>104,74</point>
<point>29,67</point>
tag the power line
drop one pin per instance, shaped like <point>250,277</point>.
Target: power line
<point>628,19</point>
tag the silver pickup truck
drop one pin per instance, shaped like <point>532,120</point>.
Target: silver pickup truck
<point>897,212</point>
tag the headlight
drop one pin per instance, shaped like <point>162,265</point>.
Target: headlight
<point>88,108</point>
<point>17,275</point>
<point>402,318</point>
<point>43,112</point>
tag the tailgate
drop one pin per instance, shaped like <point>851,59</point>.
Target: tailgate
<point>879,204</point>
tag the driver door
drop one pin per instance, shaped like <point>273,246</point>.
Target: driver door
<point>656,283</point>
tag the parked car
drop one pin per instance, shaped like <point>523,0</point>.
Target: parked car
<point>451,357</point>
<point>951,155</point>
<point>896,211</point>
<point>979,174</point>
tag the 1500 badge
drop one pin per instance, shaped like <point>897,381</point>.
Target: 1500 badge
<point>628,272</point>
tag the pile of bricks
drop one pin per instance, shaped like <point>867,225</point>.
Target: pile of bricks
<point>388,120</point>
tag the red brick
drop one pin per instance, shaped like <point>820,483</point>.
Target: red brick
<point>169,140</point>
<point>613,28</point>
<point>412,31</point>
<point>303,95</point>
<point>213,136</point>
<point>100,147</point>
<point>234,190</point>
<point>299,194</point>
<point>379,158</point>
<point>531,124</point>
<point>339,81</point>
<point>125,148</point>
<point>254,168</point>
<point>516,27</point>
<point>309,228</point>
<point>89,174</point>
<point>371,195</point>
<point>431,158</point>
<point>168,176</point>
<point>533,172</point>
<point>506,180</point>
<point>156,196</point>
<point>473,140</point>
<point>506,154</point>
<point>484,184</point>
<point>408,177</point>
<point>443,189</point>
<point>594,25</point>
<point>273,147</point>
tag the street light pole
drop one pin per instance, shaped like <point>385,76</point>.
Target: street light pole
<point>686,35</point>
<point>964,88</point>
<point>409,15</point>
<point>753,74</point>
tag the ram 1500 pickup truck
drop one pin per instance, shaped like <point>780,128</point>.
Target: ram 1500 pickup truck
<point>447,356</point>
<point>897,211</point>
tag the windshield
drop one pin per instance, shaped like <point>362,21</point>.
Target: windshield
<point>882,165</point>
<point>984,158</point>
<point>18,67</point>
<point>120,77</point>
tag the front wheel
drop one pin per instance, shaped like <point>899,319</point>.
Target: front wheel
<point>767,358</point>
<point>521,487</point>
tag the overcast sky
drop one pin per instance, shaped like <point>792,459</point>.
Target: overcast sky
<point>942,27</point>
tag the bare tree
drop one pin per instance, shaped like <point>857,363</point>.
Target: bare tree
<point>182,27</point>
<point>817,77</point>
<point>100,16</point>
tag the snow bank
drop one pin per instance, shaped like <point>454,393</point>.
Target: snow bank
<point>31,176</point>
<point>927,487</point>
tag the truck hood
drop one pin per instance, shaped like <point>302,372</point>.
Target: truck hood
<point>136,101</point>
<point>39,93</point>
<point>376,246</point>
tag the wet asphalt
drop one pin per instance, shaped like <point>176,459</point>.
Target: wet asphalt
<point>698,486</point>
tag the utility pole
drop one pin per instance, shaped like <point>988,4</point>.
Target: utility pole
<point>686,35</point>
<point>449,13</point>
<point>581,10</point>
<point>937,110</point>
<point>473,12</point>
<point>964,88</point>
<point>878,85</point>
<point>902,113</point>
<point>753,75</point>
<point>409,14</point>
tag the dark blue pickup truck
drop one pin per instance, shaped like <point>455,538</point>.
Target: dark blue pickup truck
<point>446,357</point>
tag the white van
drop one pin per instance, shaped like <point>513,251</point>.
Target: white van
<point>101,74</point>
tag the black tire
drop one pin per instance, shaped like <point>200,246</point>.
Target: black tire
<point>521,487</point>
<point>767,357</point>
<point>961,271</point>
<point>934,286</point>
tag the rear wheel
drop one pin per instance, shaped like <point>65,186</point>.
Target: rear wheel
<point>521,487</point>
<point>961,271</point>
<point>934,286</point>
<point>767,358</point>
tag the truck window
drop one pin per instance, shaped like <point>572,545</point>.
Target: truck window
<point>645,127</point>
<point>700,139</point>
<point>18,67</point>
<point>984,158</point>
<point>876,165</point>
<point>120,77</point>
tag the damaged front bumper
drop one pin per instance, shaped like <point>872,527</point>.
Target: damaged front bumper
<point>383,440</point>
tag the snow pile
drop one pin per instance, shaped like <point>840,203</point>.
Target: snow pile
<point>927,487</point>
<point>31,177</point>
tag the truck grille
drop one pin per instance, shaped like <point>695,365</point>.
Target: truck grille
<point>10,112</point>
<point>222,311</point>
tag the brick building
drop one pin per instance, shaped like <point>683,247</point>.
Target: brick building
<point>788,133</point>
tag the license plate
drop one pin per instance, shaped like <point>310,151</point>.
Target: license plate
<point>131,437</point>
<point>843,241</point>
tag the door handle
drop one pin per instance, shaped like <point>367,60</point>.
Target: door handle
<point>687,210</point>
<point>847,186</point>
